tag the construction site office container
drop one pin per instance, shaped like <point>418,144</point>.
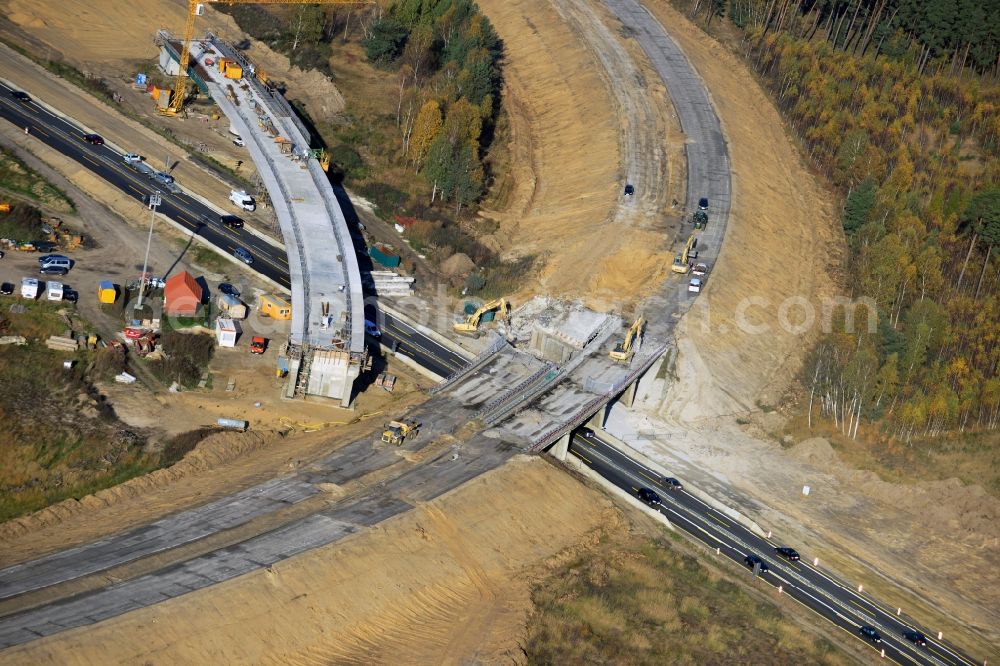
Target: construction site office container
<point>275,307</point>
<point>231,306</point>
<point>226,331</point>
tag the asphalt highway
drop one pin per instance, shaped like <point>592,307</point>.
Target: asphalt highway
<point>839,603</point>
<point>201,220</point>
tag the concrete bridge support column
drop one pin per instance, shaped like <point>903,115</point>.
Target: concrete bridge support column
<point>560,449</point>
<point>599,418</point>
<point>628,397</point>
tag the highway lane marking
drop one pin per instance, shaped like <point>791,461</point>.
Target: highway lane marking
<point>864,608</point>
<point>939,654</point>
<point>390,328</point>
<point>418,347</point>
<point>580,455</point>
<point>692,520</point>
<point>39,130</point>
<point>719,520</point>
<point>649,477</point>
<point>397,323</point>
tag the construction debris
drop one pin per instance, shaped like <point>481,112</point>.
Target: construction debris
<point>61,343</point>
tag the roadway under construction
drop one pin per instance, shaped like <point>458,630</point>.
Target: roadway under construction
<point>326,346</point>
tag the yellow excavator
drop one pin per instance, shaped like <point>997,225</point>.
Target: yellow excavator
<point>196,8</point>
<point>681,260</point>
<point>622,353</point>
<point>396,432</point>
<point>471,325</point>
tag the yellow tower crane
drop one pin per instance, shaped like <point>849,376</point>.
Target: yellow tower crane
<point>623,350</point>
<point>196,8</point>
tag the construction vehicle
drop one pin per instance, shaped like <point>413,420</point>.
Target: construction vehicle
<point>700,219</point>
<point>258,344</point>
<point>681,261</point>
<point>471,325</point>
<point>622,353</point>
<point>195,9</point>
<point>397,432</point>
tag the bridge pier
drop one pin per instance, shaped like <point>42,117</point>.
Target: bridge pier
<point>560,449</point>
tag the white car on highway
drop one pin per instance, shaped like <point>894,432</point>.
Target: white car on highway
<point>132,158</point>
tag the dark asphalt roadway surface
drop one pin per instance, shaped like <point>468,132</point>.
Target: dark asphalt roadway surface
<point>200,219</point>
<point>842,605</point>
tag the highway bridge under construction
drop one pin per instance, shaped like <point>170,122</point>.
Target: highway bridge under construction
<point>326,346</point>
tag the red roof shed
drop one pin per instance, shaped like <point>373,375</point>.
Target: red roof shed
<point>181,295</point>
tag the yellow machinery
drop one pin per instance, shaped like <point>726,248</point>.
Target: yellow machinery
<point>471,325</point>
<point>681,260</point>
<point>195,8</point>
<point>623,350</point>
<point>396,432</point>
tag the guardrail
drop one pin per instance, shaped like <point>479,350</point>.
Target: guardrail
<point>473,365</point>
<point>497,403</point>
<point>581,415</point>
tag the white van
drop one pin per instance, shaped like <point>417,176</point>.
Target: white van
<point>243,200</point>
<point>54,291</point>
<point>29,288</point>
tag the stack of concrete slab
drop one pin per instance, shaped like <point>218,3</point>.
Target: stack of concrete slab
<point>61,343</point>
<point>389,283</point>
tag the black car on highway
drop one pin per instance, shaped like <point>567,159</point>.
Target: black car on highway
<point>788,553</point>
<point>672,484</point>
<point>915,637</point>
<point>649,496</point>
<point>868,632</point>
<point>232,221</point>
<point>752,560</point>
<point>94,139</point>
<point>21,96</point>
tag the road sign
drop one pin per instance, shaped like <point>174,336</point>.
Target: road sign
<point>140,79</point>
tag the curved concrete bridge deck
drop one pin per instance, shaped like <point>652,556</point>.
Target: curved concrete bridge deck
<point>327,342</point>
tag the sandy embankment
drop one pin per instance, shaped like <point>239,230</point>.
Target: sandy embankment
<point>782,245</point>
<point>445,583</point>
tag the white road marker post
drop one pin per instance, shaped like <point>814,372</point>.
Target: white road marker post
<point>769,534</point>
<point>779,589</point>
<point>861,588</point>
<point>940,635</point>
<point>815,561</point>
<point>883,653</point>
<point>898,611</point>
<point>717,552</point>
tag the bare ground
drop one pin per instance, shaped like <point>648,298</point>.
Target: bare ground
<point>446,583</point>
<point>585,118</point>
<point>778,260</point>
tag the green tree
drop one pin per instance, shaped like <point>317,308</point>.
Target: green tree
<point>439,170</point>
<point>385,40</point>
<point>306,25</point>
<point>983,214</point>
<point>858,205</point>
